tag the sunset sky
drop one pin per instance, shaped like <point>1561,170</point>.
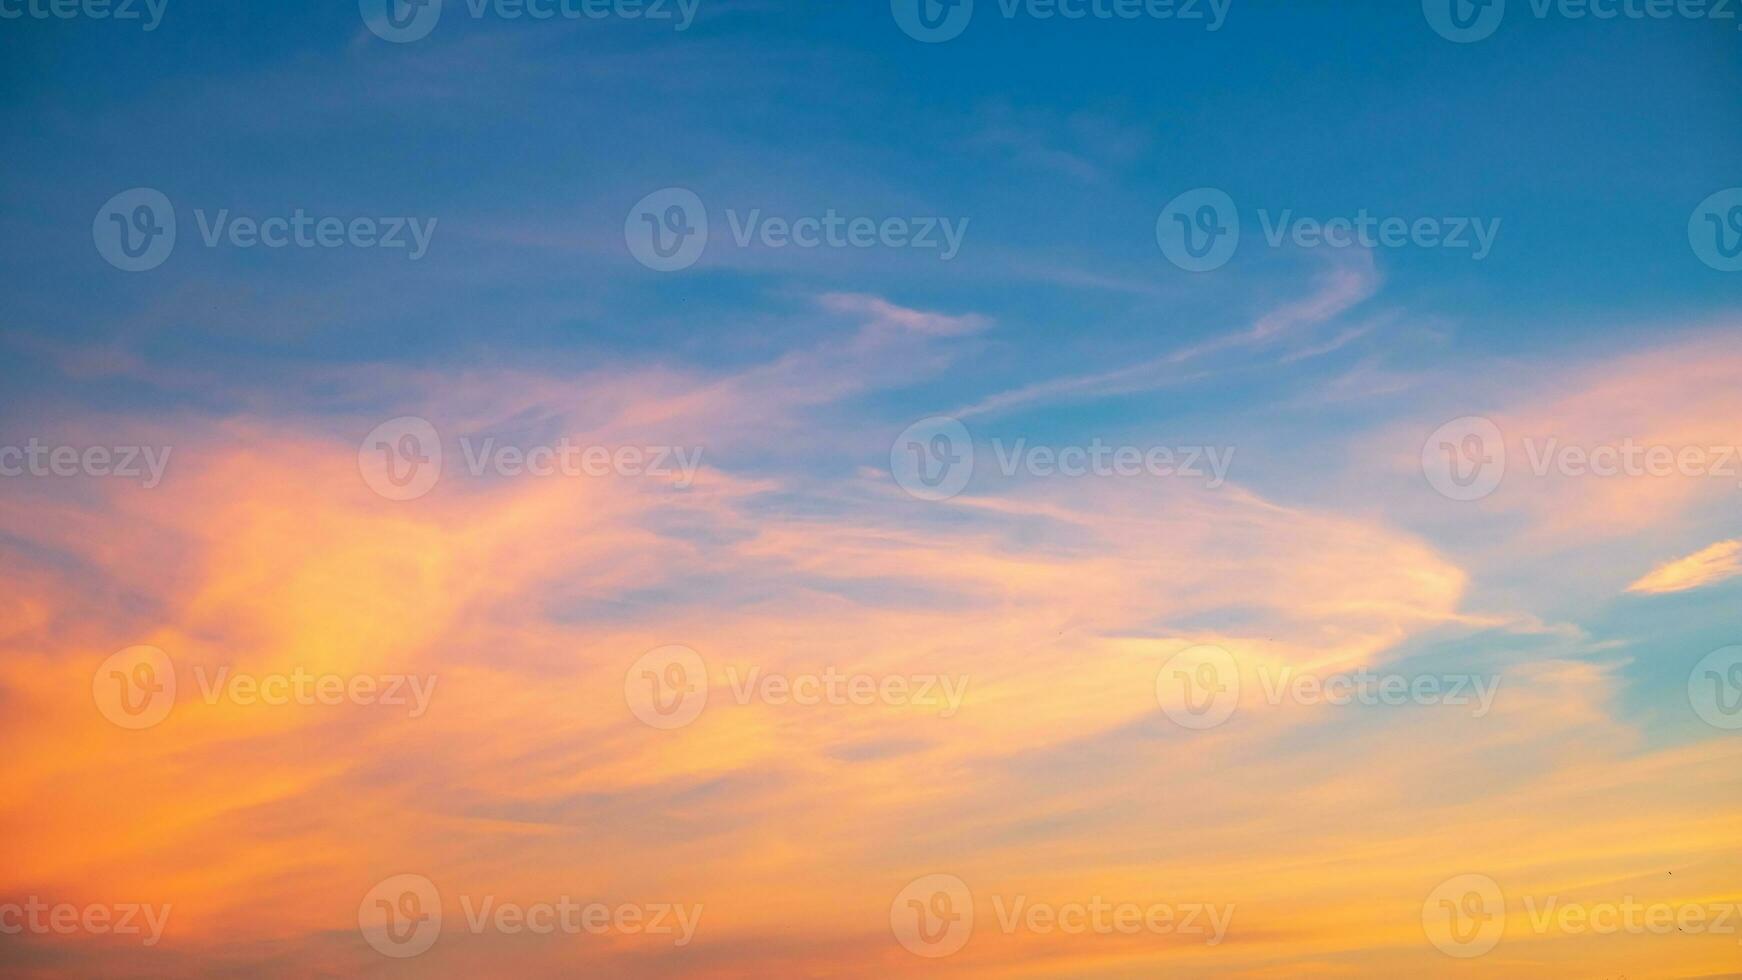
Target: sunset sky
<point>753,603</point>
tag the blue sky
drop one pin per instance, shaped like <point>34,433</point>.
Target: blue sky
<point>1590,141</point>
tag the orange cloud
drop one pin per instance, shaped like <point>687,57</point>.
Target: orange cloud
<point>1057,779</point>
<point>1709,565</point>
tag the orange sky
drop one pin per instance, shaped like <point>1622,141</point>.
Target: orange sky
<point>1057,780</point>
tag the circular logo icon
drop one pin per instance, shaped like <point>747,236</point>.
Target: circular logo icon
<point>1464,21</point>
<point>932,21</point>
<point>135,687</point>
<point>1465,459</point>
<point>401,459</point>
<point>1465,916</point>
<point>1199,687</point>
<point>933,916</point>
<point>1715,230</point>
<point>401,916</point>
<point>667,687</point>
<point>400,21</point>
<point>667,230</point>
<point>1199,230</point>
<point>933,459</point>
<point>135,230</point>
<point>1715,688</point>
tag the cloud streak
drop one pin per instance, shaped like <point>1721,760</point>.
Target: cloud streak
<point>1708,566</point>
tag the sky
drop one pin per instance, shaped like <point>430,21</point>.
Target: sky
<point>737,488</point>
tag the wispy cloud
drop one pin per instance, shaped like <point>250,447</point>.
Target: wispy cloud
<point>1346,284</point>
<point>1708,566</point>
